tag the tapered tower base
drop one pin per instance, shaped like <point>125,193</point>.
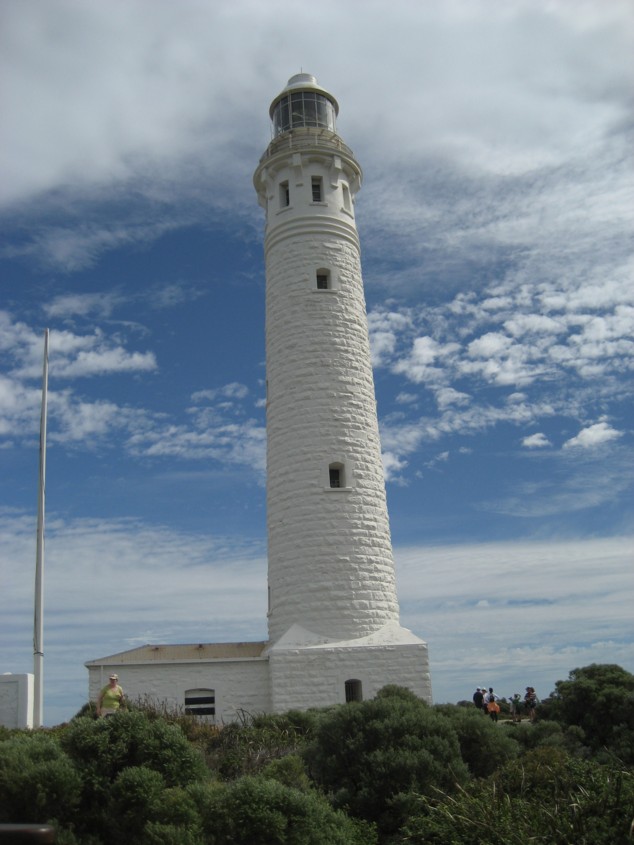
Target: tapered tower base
<point>306,671</point>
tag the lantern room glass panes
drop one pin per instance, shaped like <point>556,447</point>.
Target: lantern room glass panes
<point>304,108</point>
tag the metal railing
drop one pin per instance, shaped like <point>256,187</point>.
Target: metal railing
<point>301,139</point>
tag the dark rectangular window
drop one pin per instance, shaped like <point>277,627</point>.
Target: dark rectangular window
<point>285,196</point>
<point>200,702</point>
<point>353,691</point>
<point>335,477</point>
<point>316,183</point>
<point>322,281</point>
<point>346,198</point>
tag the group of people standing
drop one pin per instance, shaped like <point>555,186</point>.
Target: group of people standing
<point>486,700</point>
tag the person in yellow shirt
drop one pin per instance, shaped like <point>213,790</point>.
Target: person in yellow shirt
<point>110,698</point>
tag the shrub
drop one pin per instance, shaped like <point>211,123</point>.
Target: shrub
<point>258,811</point>
<point>104,748</point>
<point>157,833</point>
<point>142,811</point>
<point>38,782</point>
<point>484,746</point>
<point>289,770</point>
<point>247,748</point>
<point>544,797</point>
<point>599,699</point>
<point>135,798</point>
<point>373,756</point>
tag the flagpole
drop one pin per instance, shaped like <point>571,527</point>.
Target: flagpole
<point>38,627</point>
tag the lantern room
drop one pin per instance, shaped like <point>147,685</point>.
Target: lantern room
<point>303,104</point>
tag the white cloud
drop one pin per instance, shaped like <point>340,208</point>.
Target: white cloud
<point>404,398</point>
<point>592,436</point>
<point>392,466</point>
<point>492,344</point>
<point>78,246</point>
<point>82,304</point>
<point>571,481</point>
<point>447,396</point>
<point>99,362</point>
<point>422,364</point>
<point>384,327</point>
<point>234,390</point>
<point>536,441</point>
<point>534,324</point>
<point>382,346</point>
<point>210,432</point>
<point>210,438</point>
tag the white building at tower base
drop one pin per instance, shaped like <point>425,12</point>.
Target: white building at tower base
<point>296,673</point>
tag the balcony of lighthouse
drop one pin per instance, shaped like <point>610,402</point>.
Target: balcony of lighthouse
<point>306,138</point>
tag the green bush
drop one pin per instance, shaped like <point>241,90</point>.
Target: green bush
<point>103,748</point>
<point>157,833</point>
<point>599,699</point>
<point>544,797</point>
<point>373,756</point>
<point>162,816</point>
<point>135,798</point>
<point>248,747</point>
<point>258,811</point>
<point>290,771</point>
<point>38,783</point>
<point>484,745</point>
<point>106,750</point>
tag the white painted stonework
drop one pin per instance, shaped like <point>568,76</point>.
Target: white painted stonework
<point>330,554</point>
<point>237,673</point>
<point>16,700</point>
<point>333,608</point>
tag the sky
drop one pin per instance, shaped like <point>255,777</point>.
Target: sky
<point>495,220</point>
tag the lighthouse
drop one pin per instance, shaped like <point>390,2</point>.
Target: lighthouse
<point>333,614</point>
<point>334,633</point>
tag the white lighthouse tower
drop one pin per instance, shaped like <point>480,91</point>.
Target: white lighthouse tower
<point>334,631</point>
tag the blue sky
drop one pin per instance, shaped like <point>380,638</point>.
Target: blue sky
<point>495,220</point>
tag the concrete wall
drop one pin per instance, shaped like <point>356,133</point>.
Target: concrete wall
<point>315,677</point>
<point>240,685</point>
<point>16,701</point>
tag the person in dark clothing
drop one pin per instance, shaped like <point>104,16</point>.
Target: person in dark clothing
<point>478,698</point>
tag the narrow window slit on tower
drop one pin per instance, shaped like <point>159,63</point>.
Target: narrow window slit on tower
<point>347,204</point>
<point>336,475</point>
<point>285,197</point>
<point>317,185</point>
<point>323,280</point>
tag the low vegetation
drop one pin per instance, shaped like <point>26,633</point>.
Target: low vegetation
<point>380,772</point>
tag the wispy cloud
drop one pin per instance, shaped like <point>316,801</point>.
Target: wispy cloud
<point>510,614</point>
<point>217,427</point>
<point>496,613</point>
<point>141,582</point>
